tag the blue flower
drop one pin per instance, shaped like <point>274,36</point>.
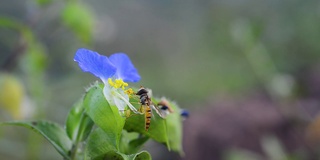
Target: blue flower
<point>114,72</point>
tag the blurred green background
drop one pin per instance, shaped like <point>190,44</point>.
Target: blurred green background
<point>190,51</point>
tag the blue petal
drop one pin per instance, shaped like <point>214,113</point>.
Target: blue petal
<point>93,62</point>
<point>125,69</point>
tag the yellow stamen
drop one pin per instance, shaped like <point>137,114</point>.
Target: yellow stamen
<point>110,82</point>
<point>118,83</point>
<point>124,85</point>
<point>129,91</point>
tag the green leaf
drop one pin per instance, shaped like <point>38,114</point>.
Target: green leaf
<point>35,59</point>
<point>174,129</point>
<point>111,155</point>
<point>78,124</point>
<point>105,116</point>
<point>73,120</point>
<point>99,148</point>
<point>167,131</point>
<point>143,155</point>
<point>138,142</point>
<point>131,142</point>
<point>43,2</point>
<point>49,130</point>
<point>79,19</point>
<point>98,144</point>
<point>11,95</point>
<point>26,32</point>
<point>157,130</point>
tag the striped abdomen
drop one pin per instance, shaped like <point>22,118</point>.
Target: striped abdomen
<point>147,117</point>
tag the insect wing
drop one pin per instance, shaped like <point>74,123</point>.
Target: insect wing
<point>160,112</point>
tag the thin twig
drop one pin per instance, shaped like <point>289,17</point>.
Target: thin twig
<point>11,62</point>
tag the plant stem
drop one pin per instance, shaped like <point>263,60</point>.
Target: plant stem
<point>75,146</point>
<point>74,151</point>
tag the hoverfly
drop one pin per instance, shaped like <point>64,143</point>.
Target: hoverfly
<point>184,114</point>
<point>165,107</point>
<point>147,106</point>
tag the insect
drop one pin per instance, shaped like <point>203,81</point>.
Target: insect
<point>184,114</point>
<point>147,106</point>
<point>165,107</point>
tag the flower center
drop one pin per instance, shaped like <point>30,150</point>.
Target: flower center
<point>119,83</point>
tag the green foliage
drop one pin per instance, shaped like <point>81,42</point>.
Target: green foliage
<point>105,116</point>
<point>36,59</point>
<point>99,144</point>
<point>119,156</point>
<point>11,95</point>
<point>99,147</point>
<point>157,130</point>
<point>110,139</point>
<point>25,31</point>
<point>174,129</point>
<point>78,124</point>
<point>43,2</point>
<point>143,155</point>
<point>132,142</point>
<point>79,19</point>
<point>106,141</point>
<point>49,130</point>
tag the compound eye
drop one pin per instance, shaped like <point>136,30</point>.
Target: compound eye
<point>164,107</point>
